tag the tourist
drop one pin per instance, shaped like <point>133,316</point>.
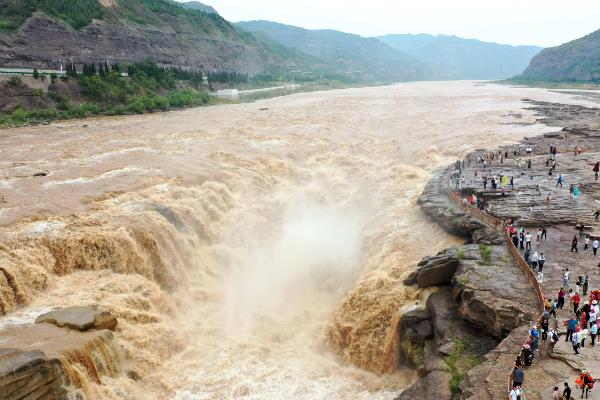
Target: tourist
<point>534,260</point>
<point>544,327</point>
<point>596,170</point>
<point>586,243</point>
<point>544,233</point>
<point>529,163</point>
<point>553,335</point>
<point>528,239</point>
<point>586,381</point>
<point>515,393</point>
<point>512,182</point>
<point>594,331</point>
<point>539,235</point>
<point>595,245</point>
<point>561,298</point>
<point>527,355</point>
<point>574,244</point>
<point>585,284</point>
<point>566,392</point>
<point>571,189</point>
<point>522,239</point>
<point>559,181</point>
<point>554,308</point>
<point>541,261</point>
<point>576,301</point>
<point>571,325</point>
<point>583,334</point>
<point>549,198</point>
<point>576,341</point>
<point>556,394</point>
<point>527,257</point>
<point>566,278</point>
<point>518,376</point>
<point>596,214</point>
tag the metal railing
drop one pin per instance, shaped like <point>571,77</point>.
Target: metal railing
<point>499,225</point>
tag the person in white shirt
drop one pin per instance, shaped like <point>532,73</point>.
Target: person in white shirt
<point>515,393</point>
<point>595,246</point>
<point>528,241</point>
<point>566,278</point>
<point>586,243</point>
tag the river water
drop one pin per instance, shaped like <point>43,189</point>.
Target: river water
<point>250,251</point>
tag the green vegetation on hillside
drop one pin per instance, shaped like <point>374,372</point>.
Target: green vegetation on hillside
<point>79,13</point>
<point>148,89</point>
<point>76,13</point>
<point>576,61</point>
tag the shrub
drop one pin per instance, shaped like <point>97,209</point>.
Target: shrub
<point>36,73</point>
<point>15,81</point>
<point>486,252</point>
<point>460,254</point>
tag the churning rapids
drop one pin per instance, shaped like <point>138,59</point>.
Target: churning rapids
<point>250,251</point>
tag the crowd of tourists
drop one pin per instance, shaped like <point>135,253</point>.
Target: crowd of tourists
<point>581,328</point>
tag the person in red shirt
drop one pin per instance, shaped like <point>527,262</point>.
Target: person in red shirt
<point>561,298</point>
<point>576,301</point>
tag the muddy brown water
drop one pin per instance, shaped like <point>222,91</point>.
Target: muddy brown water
<point>250,251</point>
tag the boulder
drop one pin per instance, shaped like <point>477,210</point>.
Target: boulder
<point>81,318</point>
<point>28,375</point>
<point>414,330</point>
<point>434,385</point>
<point>437,270</point>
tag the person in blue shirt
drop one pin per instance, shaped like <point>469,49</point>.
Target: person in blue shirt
<point>571,325</point>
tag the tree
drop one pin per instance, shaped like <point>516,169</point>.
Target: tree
<point>116,68</point>
<point>36,73</point>
<point>93,69</point>
<point>100,70</point>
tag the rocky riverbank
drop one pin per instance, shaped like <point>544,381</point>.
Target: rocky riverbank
<point>484,305</point>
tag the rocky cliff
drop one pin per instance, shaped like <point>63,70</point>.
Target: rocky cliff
<point>129,31</point>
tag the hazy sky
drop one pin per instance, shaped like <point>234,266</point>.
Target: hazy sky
<point>544,23</point>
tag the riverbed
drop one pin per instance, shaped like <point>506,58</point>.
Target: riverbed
<point>250,251</point>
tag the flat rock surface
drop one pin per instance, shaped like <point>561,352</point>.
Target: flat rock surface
<point>559,216</point>
<point>81,318</point>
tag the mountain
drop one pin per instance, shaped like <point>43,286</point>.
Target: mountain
<point>351,55</point>
<point>43,33</point>
<point>578,60</point>
<point>451,57</point>
<point>196,5</point>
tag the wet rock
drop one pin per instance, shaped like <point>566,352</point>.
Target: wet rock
<point>34,364</point>
<point>437,270</point>
<point>434,385</point>
<point>414,330</point>
<point>81,318</point>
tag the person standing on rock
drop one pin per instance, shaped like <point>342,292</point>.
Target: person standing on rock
<point>574,244</point>
<point>576,301</point>
<point>515,393</point>
<point>522,239</point>
<point>512,182</point>
<point>571,325</point>
<point>566,392</point>
<point>528,241</point>
<point>586,243</point>
<point>585,284</point>
<point>554,308</point>
<point>576,341</point>
<point>594,332</point>
<point>534,260</point>
<point>566,278</point>
<point>541,261</point>
<point>596,214</point>
<point>595,245</point>
<point>518,376</point>
<point>559,181</point>
<point>553,335</point>
<point>544,233</point>
<point>561,298</point>
<point>596,170</point>
<point>539,235</point>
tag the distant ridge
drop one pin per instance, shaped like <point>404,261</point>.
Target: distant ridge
<point>196,5</point>
<point>353,55</point>
<point>452,57</point>
<point>575,61</point>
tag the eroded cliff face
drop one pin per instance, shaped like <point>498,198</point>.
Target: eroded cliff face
<point>43,41</point>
